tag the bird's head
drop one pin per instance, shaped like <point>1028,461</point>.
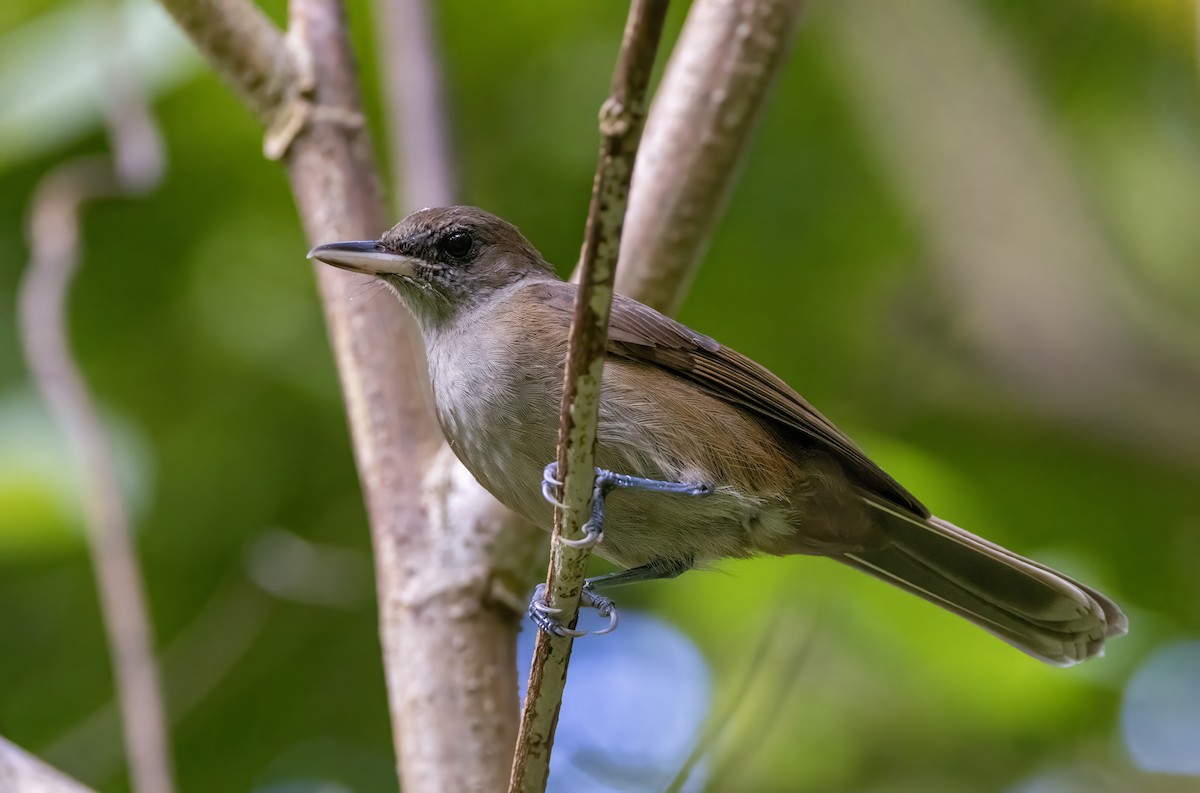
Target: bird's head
<point>442,261</point>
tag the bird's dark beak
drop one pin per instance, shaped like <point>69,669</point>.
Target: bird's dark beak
<point>363,256</point>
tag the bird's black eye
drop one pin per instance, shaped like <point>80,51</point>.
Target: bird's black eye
<point>456,244</point>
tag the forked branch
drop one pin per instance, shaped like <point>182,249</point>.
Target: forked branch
<point>447,736</point>
<point>436,569</point>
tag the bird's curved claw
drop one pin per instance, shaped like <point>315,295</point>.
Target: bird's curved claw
<point>546,617</point>
<point>593,535</point>
<point>604,606</point>
<point>551,482</point>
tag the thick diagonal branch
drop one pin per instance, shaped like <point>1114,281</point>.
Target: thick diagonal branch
<point>21,771</point>
<point>245,48</point>
<point>621,119</point>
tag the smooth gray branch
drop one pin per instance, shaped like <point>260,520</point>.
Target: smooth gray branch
<point>440,579</point>
<point>437,566</point>
<point>621,119</point>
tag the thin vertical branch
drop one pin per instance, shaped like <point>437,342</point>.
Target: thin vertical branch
<point>136,164</point>
<point>420,140</point>
<point>621,119</point>
<point>702,122</point>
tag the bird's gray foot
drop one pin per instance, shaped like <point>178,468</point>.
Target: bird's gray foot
<point>546,618</point>
<point>606,481</point>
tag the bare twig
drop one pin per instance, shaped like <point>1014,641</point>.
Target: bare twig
<point>703,119</point>
<point>422,165</point>
<point>136,165</point>
<point>621,120</point>
<point>43,322</point>
<point>21,771</point>
<point>734,728</point>
<point>755,714</point>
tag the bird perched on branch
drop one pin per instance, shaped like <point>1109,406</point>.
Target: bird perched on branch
<point>702,453</point>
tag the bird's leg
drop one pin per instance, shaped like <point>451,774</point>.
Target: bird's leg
<point>607,481</point>
<point>546,618</point>
<point>655,570</point>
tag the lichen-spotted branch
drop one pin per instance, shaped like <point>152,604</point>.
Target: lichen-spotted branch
<point>621,119</point>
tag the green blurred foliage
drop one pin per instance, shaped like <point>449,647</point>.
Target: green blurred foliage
<point>196,322</point>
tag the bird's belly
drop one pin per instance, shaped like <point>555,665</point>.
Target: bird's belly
<point>504,430</point>
<point>505,449</point>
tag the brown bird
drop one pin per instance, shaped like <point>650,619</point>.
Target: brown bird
<point>757,468</point>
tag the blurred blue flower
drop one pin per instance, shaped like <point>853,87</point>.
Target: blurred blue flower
<point>634,707</point>
<point>1160,717</point>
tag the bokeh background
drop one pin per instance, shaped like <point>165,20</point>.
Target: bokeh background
<point>968,233</point>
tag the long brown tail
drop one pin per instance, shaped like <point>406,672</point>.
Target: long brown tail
<point>1035,609</point>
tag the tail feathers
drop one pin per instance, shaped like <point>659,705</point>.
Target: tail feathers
<point>1037,610</point>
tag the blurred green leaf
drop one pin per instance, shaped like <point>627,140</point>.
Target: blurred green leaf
<point>51,75</point>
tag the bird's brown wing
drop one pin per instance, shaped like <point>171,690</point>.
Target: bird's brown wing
<point>637,332</point>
